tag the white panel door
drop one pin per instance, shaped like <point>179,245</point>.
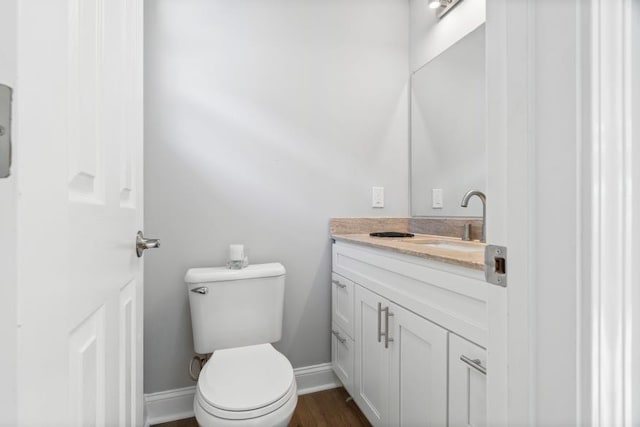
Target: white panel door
<point>372,358</point>
<point>418,371</point>
<point>467,384</point>
<point>79,168</point>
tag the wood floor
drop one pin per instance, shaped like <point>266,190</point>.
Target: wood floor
<point>322,409</point>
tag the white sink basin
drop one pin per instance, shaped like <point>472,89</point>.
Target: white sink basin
<point>461,247</point>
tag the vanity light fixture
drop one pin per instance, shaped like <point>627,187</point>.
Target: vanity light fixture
<point>442,7</point>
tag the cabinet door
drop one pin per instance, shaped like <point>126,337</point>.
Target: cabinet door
<point>342,301</point>
<point>467,383</point>
<point>372,359</point>
<point>342,357</point>
<point>418,371</point>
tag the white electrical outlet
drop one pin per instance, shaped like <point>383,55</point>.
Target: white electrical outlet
<point>436,198</point>
<point>377,197</point>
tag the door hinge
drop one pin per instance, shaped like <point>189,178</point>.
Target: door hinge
<point>495,265</point>
<point>5,131</point>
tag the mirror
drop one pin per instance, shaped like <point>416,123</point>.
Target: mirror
<point>448,129</point>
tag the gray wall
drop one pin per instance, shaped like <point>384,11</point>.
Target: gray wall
<point>263,119</point>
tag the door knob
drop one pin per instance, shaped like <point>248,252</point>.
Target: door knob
<point>142,243</point>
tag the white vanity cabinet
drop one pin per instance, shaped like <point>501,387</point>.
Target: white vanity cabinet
<point>402,360</point>
<point>342,356</point>
<point>342,290</point>
<point>418,371</point>
<point>342,326</point>
<point>372,359</point>
<point>401,364</point>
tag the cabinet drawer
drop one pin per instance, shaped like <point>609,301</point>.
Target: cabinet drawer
<point>342,302</point>
<point>342,356</point>
<point>467,383</point>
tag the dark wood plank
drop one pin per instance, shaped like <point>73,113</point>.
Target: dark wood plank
<point>327,408</point>
<point>322,409</point>
<point>189,422</point>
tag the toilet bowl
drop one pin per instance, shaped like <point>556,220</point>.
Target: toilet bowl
<point>246,386</point>
<point>236,314</point>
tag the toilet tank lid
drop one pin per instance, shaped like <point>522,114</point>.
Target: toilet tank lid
<point>222,274</point>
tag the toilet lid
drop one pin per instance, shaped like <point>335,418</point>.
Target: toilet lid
<point>245,378</point>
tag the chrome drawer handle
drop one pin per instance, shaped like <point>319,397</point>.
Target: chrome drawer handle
<point>337,335</point>
<point>475,364</point>
<point>338,284</point>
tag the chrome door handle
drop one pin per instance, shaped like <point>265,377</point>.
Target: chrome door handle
<point>387,338</point>
<point>337,335</point>
<point>338,284</point>
<point>474,363</point>
<point>142,244</point>
<point>201,290</point>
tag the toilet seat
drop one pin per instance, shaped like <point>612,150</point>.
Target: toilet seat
<point>245,382</point>
<point>245,415</point>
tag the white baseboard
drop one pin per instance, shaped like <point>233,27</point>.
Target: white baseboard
<point>177,404</point>
<point>316,378</point>
<point>169,405</point>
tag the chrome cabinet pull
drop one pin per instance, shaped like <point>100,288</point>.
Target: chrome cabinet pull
<point>379,322</point>
<point>201,290</point>
<point>387,314</point>
<point>387,338</point>
<point>337,335</point>
<point>338,284</point>
<point>475,364</point>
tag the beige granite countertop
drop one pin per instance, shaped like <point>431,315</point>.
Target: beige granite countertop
<point>439,248</point>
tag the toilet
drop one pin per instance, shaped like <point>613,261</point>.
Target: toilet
<point>236,315</point>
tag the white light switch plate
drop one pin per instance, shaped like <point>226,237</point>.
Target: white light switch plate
<point>377,197</point>
<point>436,198</point>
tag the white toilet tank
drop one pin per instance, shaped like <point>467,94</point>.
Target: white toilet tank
<point>235,308</point>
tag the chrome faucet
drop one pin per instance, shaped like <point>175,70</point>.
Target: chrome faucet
<point>483,198</point>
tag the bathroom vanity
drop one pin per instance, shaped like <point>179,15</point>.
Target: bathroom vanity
<point>409,328</point>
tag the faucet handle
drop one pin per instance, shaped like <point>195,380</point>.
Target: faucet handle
<point>466,233</point>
